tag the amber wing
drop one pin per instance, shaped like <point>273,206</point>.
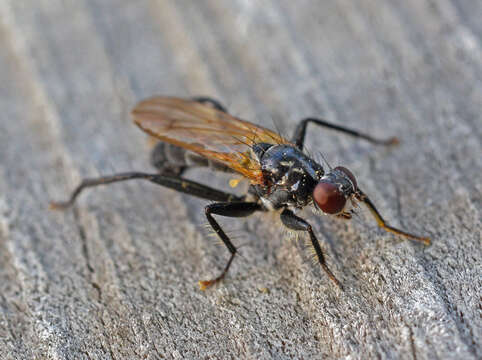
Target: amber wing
<point>205,130</point>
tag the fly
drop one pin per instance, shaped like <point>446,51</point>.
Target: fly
<point>199,132</point>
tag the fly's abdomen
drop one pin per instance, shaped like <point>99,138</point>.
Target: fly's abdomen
<point>171,159</point>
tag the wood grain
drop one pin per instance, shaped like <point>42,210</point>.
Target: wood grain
<point>116,276</point>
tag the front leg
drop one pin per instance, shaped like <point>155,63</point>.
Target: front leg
<point>229,209</point>
<point>300,132</point>
<point>293,222</point>
<point>360,196</point>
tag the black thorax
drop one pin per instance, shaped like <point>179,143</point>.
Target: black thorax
<point>289,176</point>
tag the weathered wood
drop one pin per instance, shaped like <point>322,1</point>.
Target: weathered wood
<point>116,277</point>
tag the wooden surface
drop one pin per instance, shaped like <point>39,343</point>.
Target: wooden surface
<point>116,276</point>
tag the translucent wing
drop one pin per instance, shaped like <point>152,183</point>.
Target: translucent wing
<point>205,130</point>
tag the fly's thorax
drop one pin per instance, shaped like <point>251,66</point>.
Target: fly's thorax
<point>289,174</point>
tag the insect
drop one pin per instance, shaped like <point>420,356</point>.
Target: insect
<point>199,132</point>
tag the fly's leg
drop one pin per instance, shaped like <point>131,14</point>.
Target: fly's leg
<point>173,182</point>
<point>300,132</point>
<point>213,102</point>
<point>229,209</point>
<point>360,196</point>
<point>293,222</point>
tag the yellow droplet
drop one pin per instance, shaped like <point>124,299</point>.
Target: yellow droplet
<point>234,182</point>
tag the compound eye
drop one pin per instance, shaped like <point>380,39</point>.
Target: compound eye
<point>329,198</point>
<point>349,174</point>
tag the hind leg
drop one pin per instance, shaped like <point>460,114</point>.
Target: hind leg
<point>172,182</point>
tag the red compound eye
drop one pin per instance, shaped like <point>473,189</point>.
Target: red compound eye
<point>329,198</point>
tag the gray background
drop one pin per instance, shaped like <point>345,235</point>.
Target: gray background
<point>116,276</point>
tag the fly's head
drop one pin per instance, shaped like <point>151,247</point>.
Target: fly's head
<point>334,189</point>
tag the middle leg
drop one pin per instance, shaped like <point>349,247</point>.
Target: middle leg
<point>229,209</point>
